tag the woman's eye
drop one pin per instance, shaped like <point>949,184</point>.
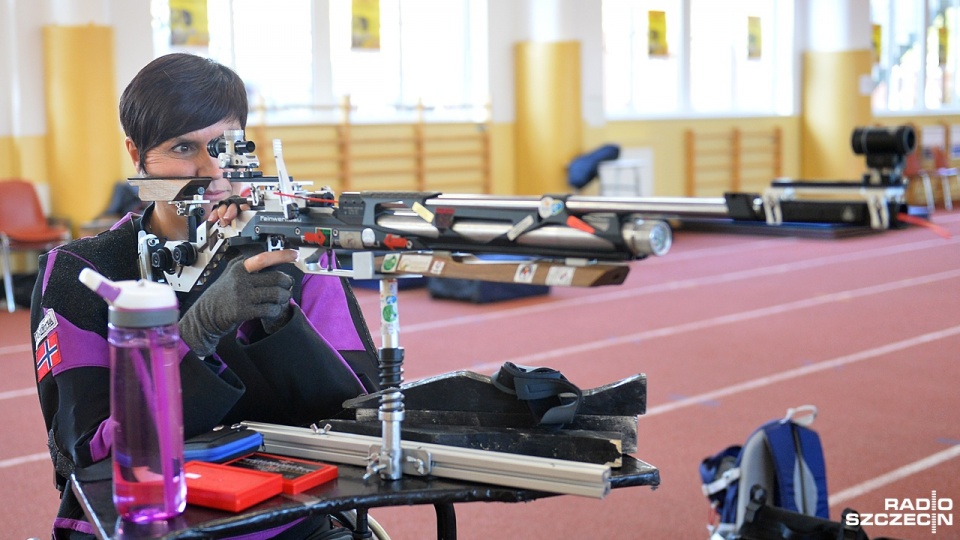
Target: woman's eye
<point>183,148</point>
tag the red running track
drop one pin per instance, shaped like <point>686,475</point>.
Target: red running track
<point>731,331</point>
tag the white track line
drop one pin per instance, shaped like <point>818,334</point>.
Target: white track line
<point>897,474</point>
<point>15,349</point>
<point>621,294</point>
<point>10,394</point>
<point>13,462</point>
<point>571,351</point>
<point>804,370</point>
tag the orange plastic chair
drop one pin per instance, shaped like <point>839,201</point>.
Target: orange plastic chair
<point>24,227</point>
<point>912,168</point>
<point>942,166</point>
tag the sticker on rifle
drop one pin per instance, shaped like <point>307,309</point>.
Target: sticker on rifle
<point>349,239</point>
<point>519,228</point>
<point>422,211</point>
<point>414,263</point>
<point>550,207</point>
<point>437,267</point>
<point>560,276</point>
<point>389,264</point>
<point>525,273</point>
<point>47,324</point>
<point>322,236</point>
<point>444,219</point>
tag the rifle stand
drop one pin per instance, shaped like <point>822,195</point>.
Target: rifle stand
<point>520,458</point>
<point>388,462</point>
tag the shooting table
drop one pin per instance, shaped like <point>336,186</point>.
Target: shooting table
<point>349,491</point>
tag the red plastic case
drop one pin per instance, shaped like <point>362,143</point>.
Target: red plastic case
<point>229,488</point>
<point>298,474</point>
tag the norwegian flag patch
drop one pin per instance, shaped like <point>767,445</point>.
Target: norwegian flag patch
<point>47,356</point>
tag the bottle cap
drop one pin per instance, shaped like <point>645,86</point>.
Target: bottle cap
<point>137,303</point>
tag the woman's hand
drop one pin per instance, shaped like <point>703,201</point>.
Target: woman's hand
<point>269,258</point>
<point>240,294</point>
<point>227,210</point>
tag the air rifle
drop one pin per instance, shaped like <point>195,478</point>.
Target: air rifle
<point>561,239</point>
<point>553,240</point>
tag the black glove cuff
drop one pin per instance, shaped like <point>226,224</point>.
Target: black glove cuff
<point>233,199</point>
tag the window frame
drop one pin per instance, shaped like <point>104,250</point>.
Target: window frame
<point>783,71</point>
<point>923,26</point>
<point>327,107</point>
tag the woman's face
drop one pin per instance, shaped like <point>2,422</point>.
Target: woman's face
<point>186,155</point>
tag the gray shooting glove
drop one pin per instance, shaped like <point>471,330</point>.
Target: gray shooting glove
<point>236,296</point>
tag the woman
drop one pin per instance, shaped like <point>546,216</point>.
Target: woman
<point>262,341</point>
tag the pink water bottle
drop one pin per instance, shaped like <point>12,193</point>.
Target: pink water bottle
<point>145,398</point>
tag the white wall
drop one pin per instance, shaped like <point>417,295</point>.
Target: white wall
<point>514,21</point>
<point>503,34</point>
<point>835,25</point>
<point>133,38</point>
<point>21,68</point>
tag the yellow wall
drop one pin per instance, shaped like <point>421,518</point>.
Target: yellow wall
<point>548,118</point>
<point>81,107</point>
<point>24,157</point>
<point>502,167</point>
<point>9,158</point>
<point>450,157</point>
<point>666,139</point>
<point>833,105</point>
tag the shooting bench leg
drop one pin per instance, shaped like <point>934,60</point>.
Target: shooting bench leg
<point>362,529</point>
<point>446,521</point>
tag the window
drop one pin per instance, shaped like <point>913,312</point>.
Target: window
<point>722,58</point>
<point>431,52</point>
<point>635,80</point>
<point>917,65</point>
<point>297,58</point>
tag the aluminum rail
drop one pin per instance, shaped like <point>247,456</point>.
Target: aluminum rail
<point>422,459</point>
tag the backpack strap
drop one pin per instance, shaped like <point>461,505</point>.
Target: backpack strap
<point>801,483</point>
<point>718,472</point>
<point>552,399</point>
<point>721,480</point>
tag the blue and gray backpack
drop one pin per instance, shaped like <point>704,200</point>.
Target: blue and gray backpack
<point>784,457</point>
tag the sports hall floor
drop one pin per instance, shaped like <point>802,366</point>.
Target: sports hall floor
<point>731,330</point>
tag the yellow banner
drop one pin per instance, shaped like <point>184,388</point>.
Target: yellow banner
<point>188,23</point>
<point>754,38</point>
<point>657,21</point>
<point>366,25</point>
<point>942,40</point>
<point>877,42</point>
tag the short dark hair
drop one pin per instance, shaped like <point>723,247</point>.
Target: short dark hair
<point>179,93</point>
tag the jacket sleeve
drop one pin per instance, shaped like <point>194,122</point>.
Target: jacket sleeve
<point>331,307</point>
<point>309,375</point>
